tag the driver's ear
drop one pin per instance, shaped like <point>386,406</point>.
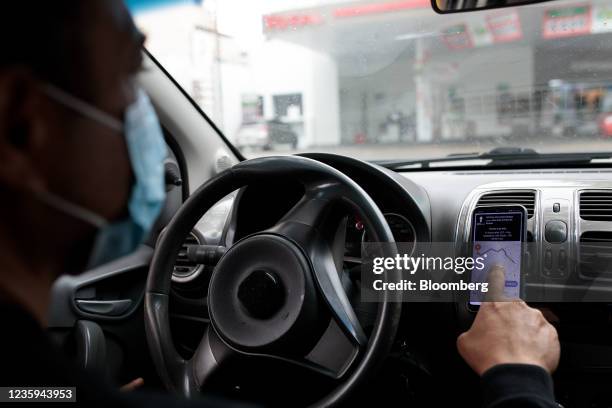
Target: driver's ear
<point>23,133</point>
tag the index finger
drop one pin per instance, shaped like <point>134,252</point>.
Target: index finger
<point>496,279</point>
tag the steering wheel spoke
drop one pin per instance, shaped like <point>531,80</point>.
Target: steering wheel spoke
<point>335,352</point>
<point>310,211</point>
<point>208,358</point>
<point>303,225</point>
<point>332,291</point>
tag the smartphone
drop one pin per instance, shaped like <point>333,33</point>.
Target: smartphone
<point>499,234</point>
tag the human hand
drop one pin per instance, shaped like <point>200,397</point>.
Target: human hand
<point>132,385</point>
<point>508,332</point>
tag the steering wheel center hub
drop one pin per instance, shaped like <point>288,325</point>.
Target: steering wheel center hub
<point>261,294</point>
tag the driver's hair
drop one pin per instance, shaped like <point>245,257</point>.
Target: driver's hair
<point>46,37</point>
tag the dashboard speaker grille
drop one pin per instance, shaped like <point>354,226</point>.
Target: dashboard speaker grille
<point>183,267</point>
<point>596,205</point>
<point>524,198</point>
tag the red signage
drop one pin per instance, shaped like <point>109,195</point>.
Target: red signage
<point>567,22</point>
<point>505,26</point>
<point>377,8</point>
<point>283,22</point>
<point>457,37</point>
<point>303,19</point>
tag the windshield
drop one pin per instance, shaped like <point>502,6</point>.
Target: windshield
<point>390,79</point>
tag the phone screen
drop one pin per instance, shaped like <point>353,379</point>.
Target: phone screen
<point>498,235</point>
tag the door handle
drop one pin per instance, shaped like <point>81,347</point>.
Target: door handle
<point>104,307</point>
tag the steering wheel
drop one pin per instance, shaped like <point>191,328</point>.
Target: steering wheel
<point>277,293</point>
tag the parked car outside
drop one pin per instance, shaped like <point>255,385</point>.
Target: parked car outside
<point>265,135</point>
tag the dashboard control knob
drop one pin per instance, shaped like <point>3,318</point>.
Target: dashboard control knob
<point>555,232</point>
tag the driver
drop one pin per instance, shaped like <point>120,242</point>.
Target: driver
<point>81,183</point>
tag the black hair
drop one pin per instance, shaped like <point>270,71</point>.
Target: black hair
<point>47,37</point>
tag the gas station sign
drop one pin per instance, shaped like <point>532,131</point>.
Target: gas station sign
<point>457,37</point>
<point>505,26</point>
<point>283,22</point>
<point>567,22</point>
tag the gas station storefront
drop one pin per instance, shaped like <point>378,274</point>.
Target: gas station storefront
<point>391,72</point>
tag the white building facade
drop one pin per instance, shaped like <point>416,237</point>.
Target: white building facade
<point>386,71</point>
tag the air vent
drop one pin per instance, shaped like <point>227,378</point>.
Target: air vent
<point>524,198</point>
<point>596,205</point>
<point>184,269</point>
<point>596,254</point>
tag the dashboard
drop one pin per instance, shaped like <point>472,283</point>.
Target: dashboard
<point>569,225</point>
<point>404,204</point>
<point>356,234</point>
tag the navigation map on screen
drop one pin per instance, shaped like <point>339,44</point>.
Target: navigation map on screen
<point>498,240</point>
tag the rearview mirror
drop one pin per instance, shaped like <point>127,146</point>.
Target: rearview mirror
<point>457,6</point>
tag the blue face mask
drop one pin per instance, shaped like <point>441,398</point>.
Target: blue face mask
<point>147,151</point>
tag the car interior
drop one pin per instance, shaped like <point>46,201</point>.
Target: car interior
<point>171,312</point>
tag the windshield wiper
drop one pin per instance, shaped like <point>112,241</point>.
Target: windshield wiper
<point>501,157</point>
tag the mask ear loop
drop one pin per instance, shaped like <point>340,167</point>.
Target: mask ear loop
<point>91,112</point>
<point>83,108</point>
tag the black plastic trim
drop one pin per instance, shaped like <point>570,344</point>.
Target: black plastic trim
<point>64,311</point>
<point>180,160</point>
<point>195,105</point>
